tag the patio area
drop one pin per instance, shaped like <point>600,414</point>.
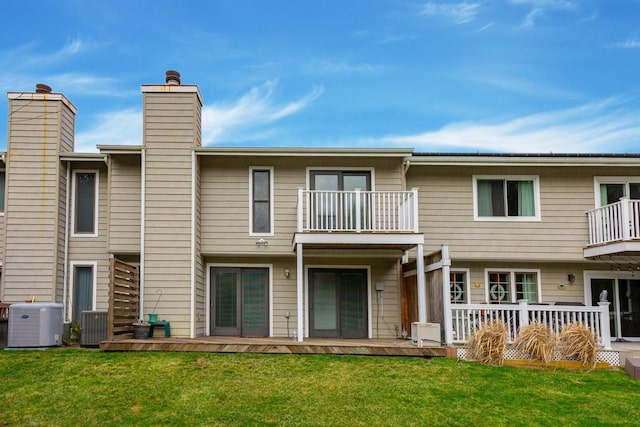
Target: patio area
<point>219,344</point>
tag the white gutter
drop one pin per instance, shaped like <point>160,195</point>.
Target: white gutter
<point>193,244</point>
<point>143,191</point>
<point>65,276</point>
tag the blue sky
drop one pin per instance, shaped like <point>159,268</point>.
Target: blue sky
<point>534,76</point>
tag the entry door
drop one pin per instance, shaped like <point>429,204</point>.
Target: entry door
<point>239,301</point>
<point>624,308</point>
<point>338,303</point>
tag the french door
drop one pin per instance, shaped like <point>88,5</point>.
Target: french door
<point>338,303</point>
<point>335,206</point>
<point>239,303</point>
<point>623,295</point>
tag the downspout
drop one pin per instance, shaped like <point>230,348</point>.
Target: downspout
<point>65,269</point>
<point>193,244</point>
<point>143,191</point>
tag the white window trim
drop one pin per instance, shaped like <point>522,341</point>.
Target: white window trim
<point>536,196</point>
<point>597,180</point>
<point>69,302</point>
<point>512,282</point>
<point>467,287</point>
<point>209,266</point>
<point>271,200</point>
<point>347,169</point>
<point>96,225</point>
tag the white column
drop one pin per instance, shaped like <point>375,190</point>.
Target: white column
<point>300,289</point>
<point>605,329</point>
<point>422,286</point>
<point>446,295</point>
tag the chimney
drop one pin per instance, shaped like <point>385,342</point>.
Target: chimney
<point>43,88</point>
<point>172,77</point>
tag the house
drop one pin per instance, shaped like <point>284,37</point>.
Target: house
<point>306,241</point>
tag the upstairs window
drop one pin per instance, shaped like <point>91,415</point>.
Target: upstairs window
<point>611,190</point>
<point>506,198</point>
<point>261,209</point>
<point>85,199</point>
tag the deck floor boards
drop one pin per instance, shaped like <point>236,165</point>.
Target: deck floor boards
<point>364,347</point>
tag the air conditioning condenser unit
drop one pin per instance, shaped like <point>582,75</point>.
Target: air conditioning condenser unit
<point>37,324</point>
<point>425,334</point>
<point>93,328</point>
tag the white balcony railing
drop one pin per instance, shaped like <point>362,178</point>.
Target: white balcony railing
<point>616,222</point>
<point>358,211</point>
<point>466,318</point>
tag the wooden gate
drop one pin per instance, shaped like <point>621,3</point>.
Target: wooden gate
<point>124,298</point>
<point>435,264</point>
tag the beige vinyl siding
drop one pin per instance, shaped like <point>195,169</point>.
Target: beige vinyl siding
<point>32,239</point>
<point>90,249</point>
<point>446,214</point>
<point>170,129</point>
<point>226,203</point>
<point>124,204</point>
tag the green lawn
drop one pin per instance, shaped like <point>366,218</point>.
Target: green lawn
<point>79,387</point>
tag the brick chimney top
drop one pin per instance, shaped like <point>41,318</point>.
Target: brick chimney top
<point>43,88</point>
<point>172,77</point>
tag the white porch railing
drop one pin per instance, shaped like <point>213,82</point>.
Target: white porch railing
<point>358,211</point>
<point>616,222</point>
<point>465,318</point>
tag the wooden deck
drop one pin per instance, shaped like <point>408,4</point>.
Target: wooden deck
<point>362,347</point>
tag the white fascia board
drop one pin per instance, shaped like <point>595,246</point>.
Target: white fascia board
<point>83,157</point>
<point>618,248</point>
<point>358,239</point>
<point>303,152</point>
<point>562,161</point>
<point>120,149</point>
<point>172,89</point>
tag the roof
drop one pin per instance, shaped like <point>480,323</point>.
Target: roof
<point>525,159</point>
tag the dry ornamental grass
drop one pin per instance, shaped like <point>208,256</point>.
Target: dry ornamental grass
<point>537,341</point>
<point>487,345</point>
<point>579,343</point>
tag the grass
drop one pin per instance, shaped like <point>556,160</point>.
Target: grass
<point>79,387</point>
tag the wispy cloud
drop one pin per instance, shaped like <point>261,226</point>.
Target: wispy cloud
<point>458,13</point>
<point>338,66</point>
<point>632,42</point>
<point>605,126</point>
<point>539,7</point>
<point>245,119</point>
<point>112,128</point>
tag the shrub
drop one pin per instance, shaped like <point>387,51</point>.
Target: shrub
<point>487,344</point>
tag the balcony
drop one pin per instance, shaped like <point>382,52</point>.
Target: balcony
<point>614,229</point>
<point>358,217</point>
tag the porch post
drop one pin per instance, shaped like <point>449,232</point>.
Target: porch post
<point>605,329</point>
<point>626,222</point>
<point>446,295</point>
<point>422,286</point>
<point>300,289</point>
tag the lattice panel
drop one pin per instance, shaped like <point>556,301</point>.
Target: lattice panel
<point>609,356</point>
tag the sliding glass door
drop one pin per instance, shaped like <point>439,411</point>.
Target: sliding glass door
<point>239,301</point>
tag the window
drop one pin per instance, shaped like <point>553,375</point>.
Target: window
<point>82,289</point>
<point>505,286</point>
<point>506,198</point>
<point>334,202</point>
<point>611,189</point>
<point>261,209</point>
<point>459,287</point>
<point>85,199</point>
<point>2,190</point>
